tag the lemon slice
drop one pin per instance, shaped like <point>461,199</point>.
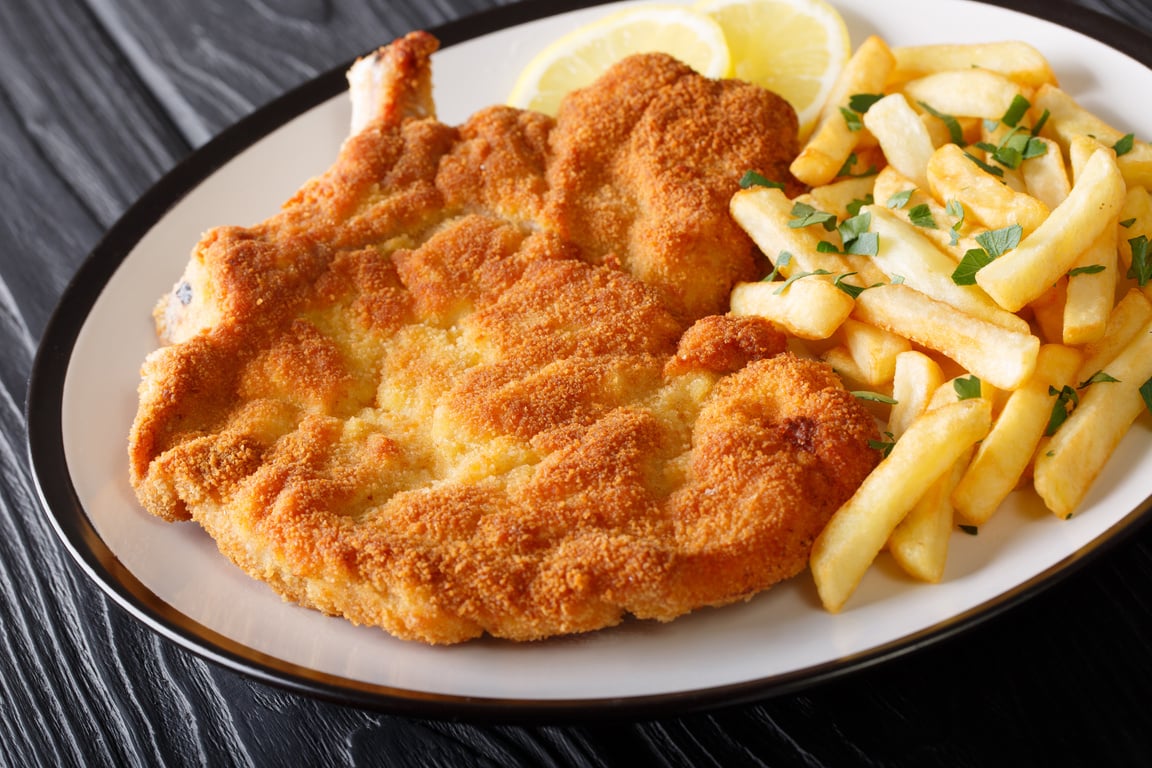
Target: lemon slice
<point>579,57</point>
<point>793,47</point>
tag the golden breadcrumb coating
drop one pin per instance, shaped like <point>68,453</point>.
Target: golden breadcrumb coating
<point>479,378</point>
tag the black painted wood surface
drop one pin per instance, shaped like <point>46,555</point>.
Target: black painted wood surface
<point>98,99</point>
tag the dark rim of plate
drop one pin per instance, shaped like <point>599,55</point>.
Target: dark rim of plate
<point>71,523</point>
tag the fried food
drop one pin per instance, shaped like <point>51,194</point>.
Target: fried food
<point>476,379</point>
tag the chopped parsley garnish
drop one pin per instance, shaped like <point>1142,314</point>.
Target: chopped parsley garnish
<point>753,179</point>
<point>1090,269</point>
<point>851,119</point>
<point>921,216</point>
<point>900,199</point>
<point>800,276</point>
<point>1016,147</point>
<point>854,207</point>
<point>1124,145</point>
<point>1127,223</point>
<point>856,237</point>
<point>862,102</point>
<point>997,172</point>
<point>999,241</point>
<point>973,261</point>
<point>1100,377</point>
<point>971,530</point>
<point>995,243</point>
<point>1146,394</point>
<point>955,130</point>
<point>846,169</point>
<point>1040,123</point>
<point>782,260</point>
<point>1016,110</point>
<point>1066,400</point>
<point>967,387</point>
<point>858,104</point>
<point>804,215</point>
<point>1141,267</point>
<point>884,446</point>
<point>955,209</point>
<point>875,397</point>
<point>848,288</point>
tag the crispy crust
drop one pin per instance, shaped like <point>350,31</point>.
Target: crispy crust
<point>472,380</point>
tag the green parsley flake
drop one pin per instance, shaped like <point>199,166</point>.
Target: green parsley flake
<point>973,261</point>
<point>967,387</point>
<point>1016,110</point>
<point>999,241</point>
<point>753,179</point>
<point>800,276</point>
<point>921,216</point>
<point>1141,267</point>
<point>875,397</point>
<point>782,260</point>
<point>804,215</point>
<point>955,130</point>
<point>1066,400</point>
<point>900,199</point>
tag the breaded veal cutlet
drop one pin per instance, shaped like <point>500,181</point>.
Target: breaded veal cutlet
<point>480,378</point>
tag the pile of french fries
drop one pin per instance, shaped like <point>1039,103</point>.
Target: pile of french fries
<point>972,258</point>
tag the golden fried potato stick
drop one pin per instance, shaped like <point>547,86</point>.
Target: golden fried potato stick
<point>1003,456</point>
<point>1018,61</point>
<point>1066,465</point>
<point>833,140</point>
<point>859,529</point>
<point>1046,255</point>
<point>1003,357</point>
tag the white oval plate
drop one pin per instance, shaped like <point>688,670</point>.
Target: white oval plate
<point>83,399</point>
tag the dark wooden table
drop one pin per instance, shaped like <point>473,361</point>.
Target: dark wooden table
<point>98,100</point>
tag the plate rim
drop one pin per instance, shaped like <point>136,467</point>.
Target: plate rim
<point>66,513</point>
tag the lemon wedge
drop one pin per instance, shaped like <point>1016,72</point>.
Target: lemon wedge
<point>579,57</point>
<point>793,47</point>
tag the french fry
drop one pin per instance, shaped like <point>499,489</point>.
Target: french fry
<point>1130,314</point>
<point>905,252</point>
<point>873,351</point>
<point>914,380</point>
<point>1046,175</point>
<point>903,136</point>
<point>1068,119</point>
<point>1003,456</point>
<point>1018,61</point>
<point>919,544</point>
<point>1046,254</point>
<point>964,93</point>
<point>833,140</point>
<point>1066,465</point>
<point>998,355</point>
<point>810,308</point>
<point>1048,311</point>
<point>953,176</point>
<point>1092,280</point>
<point>1091,290</point>
<point>859,529</point>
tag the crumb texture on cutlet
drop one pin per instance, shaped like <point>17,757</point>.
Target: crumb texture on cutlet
<point>478,378</point>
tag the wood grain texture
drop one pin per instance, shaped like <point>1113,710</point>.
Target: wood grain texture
<point>98,99</point>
